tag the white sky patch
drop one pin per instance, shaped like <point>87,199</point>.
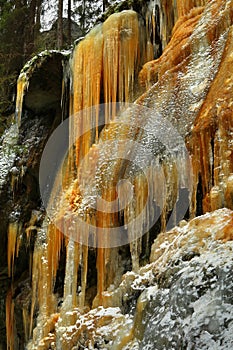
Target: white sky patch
<point>50,9</point>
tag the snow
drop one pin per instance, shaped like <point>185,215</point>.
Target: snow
<point>7,151</point>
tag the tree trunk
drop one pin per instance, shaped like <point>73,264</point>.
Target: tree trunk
<point>60,25</point>
<point>69,23</point>
<point>82,19</point>
<point>105,5</point>
<point>38,13</point>
<point>30,30</point>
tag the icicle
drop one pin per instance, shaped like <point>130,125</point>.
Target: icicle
<point>14,238</point>
<point>120,56</point>
<point>32,224</point>
<point>26,322</point>
<point>100,265</point>
<point>87,73</point>
<point>215,198</point>
<point>87,70</point>
<point>15,175</point>
<point>43,298</point>
<point>84,275</point>
<point>107,58</point>
<point>141,194</point>
<point>100,261</point>
<point>22,85</point>
<point>10,321</point>
<point>71,275</point>
<point>229,192</point>
<point>55,240</point>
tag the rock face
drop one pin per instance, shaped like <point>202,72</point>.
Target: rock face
<point>194,91</point>
<point>113,298</point>
<point>190,309</point>
<point>20,204</point>
<point>180,300</point>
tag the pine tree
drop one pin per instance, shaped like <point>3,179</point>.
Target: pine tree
<point>12,56</point>
<point>19,27</point>
<point>86,12</point>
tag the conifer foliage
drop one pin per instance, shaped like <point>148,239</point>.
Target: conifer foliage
<point>24,32</point>
<point>19,28</point>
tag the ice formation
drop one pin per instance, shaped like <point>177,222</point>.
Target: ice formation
<point>129,171</point>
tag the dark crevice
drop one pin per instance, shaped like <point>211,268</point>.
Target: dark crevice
<point>212,149</point>
<point>199,198</point>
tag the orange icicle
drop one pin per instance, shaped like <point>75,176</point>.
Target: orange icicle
<point>12,245</point>
<point>10,321</point>
<point>55,239</point>
<point>22,85</point>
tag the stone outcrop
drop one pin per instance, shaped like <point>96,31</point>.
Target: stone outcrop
<point>20,205</point>
<point>180,300</point>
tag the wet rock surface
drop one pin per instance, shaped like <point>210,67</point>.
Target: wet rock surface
<point>20,202</point>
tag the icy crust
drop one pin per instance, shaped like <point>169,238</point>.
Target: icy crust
<point>8,143</point>
<point>188,66</point>
<point>181,300</point>
<point>96,329</point>
<point>193,309</point>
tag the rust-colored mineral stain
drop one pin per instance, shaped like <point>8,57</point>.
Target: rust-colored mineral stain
<point>176,52</point>
<point>226,234</point>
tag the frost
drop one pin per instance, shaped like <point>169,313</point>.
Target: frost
<point>7,152</point>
